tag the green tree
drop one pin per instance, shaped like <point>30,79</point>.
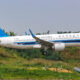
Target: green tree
<point>11,33</point>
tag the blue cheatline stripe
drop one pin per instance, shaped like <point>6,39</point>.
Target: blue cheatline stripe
<point>68,41</point>
<point>26,43</point>
<point>63,41</point>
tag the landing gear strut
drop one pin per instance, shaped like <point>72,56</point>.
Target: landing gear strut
<point>44,51</point>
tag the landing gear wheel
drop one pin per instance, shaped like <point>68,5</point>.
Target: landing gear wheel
<point>44,52</point>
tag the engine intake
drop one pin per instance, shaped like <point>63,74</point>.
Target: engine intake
<point>58,46</point>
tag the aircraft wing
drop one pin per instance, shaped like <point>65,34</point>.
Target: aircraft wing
<point>40,41</point>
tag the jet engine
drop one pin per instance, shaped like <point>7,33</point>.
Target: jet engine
<point>58,46</point>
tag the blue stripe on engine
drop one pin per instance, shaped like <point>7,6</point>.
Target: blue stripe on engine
<point>63,41</point>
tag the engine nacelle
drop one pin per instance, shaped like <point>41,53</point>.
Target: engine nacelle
<point>59,46</point>
<point>37,46</point>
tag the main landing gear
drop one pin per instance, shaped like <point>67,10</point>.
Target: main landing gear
<point>44,52</point>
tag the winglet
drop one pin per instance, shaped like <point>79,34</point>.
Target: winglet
<point>31,33</point>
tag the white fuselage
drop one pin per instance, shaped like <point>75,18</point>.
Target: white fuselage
<point>26,42</point>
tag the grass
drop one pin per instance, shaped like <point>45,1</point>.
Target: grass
<point>10,73</point>
<point>35,74</point>
<point>18,68</point>
<point>13,66</point>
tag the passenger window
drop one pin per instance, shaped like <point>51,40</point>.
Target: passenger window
<point>70,36</point>
<point>77,36</point>
<point>66,36</point>
<point>74,36</point>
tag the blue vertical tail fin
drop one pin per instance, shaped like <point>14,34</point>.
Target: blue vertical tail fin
<point>2,33</point>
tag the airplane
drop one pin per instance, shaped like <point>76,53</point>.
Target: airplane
<point>53,42</point>
<point>77,69</point>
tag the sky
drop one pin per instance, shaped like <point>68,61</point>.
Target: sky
<point>40,15</point>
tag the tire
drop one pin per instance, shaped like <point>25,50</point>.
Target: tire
<point>44,52</point>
